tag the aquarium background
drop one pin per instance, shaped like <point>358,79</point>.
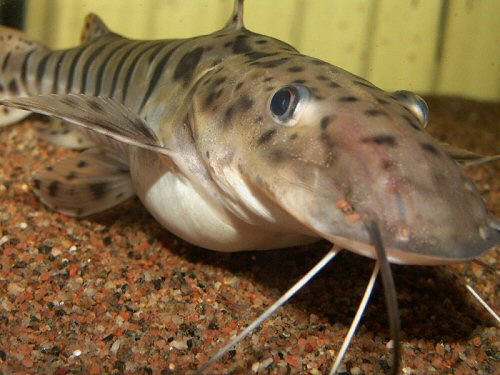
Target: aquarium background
<point>428,46</point>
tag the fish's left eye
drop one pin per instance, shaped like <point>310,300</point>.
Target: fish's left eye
<point>285,103</point>
<point>415,104</point>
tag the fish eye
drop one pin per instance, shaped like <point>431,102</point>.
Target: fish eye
<point>285,103</point>
<point>415,104</point>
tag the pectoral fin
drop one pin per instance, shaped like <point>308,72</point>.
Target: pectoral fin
<point>91,182</point>
<point>99,114</point>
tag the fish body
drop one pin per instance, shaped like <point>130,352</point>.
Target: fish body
<point>236,141</point>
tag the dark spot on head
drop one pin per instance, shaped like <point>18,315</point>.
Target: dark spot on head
<point>81,164</point>
<point>272,63</point>
<point>382,101</point>
<point>365,84</point>
<point>386,164</point>
<point>429,148</point>
<point>37,183</point>
<point>267,79</point>
<point>119,195</point>
<point>299,81</point>
<point>325,121</point>
<point>326,140</point>
<point>1,88</point>
<point>228,115</point>
<point>50,168</point>
<point>5,110</point>
<point>238,86</point>
<point>293,136</point>
<point>207,154</point>
<point>277,155</point>
<point>261,41</point>
<point>209,99</point>
<point>296,69</point>
<point>266,137</point>
<point>334,85</point>
<point>98,189</point>
<point>322,77</point>
<point>348,99</point>
<point>53,188</point>
<point>255,55</point>
<point>376,112</point>
<point>318,62</point>
<point>241,46</point>
<point>187,65</point>
<point>259,119</point>
<point>381,139</point>
<point>411,122</point>
<point>219,81</point>
<point>244,103</point>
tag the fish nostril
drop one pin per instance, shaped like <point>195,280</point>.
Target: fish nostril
<point>415,104</point>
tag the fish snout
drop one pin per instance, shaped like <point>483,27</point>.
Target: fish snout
<point>428,210</point>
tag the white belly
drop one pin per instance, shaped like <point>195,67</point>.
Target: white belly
<point>178,205</point>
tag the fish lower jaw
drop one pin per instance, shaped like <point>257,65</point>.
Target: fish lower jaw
<point>393,255</point>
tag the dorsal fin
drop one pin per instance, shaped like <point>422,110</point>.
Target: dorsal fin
<point>236,20</point>
<point>93,28</point>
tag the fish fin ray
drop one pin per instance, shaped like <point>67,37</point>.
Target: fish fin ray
<point>93,28</point>
<point>99,114</point>
<point>88,183</point>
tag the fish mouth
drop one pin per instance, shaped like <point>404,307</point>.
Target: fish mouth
<point>394,255</point>
<point>406,244</point>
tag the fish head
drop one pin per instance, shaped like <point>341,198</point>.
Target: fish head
<point>333,152</point>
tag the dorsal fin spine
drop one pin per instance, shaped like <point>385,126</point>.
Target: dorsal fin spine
<point>93,28</point>
<point>236,20</point>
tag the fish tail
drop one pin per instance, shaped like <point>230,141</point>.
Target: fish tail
<point>16,49</point>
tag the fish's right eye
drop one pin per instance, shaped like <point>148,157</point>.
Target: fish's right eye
<point>285,103</point>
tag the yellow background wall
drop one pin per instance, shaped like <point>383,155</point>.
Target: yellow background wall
<point>428,46</point>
